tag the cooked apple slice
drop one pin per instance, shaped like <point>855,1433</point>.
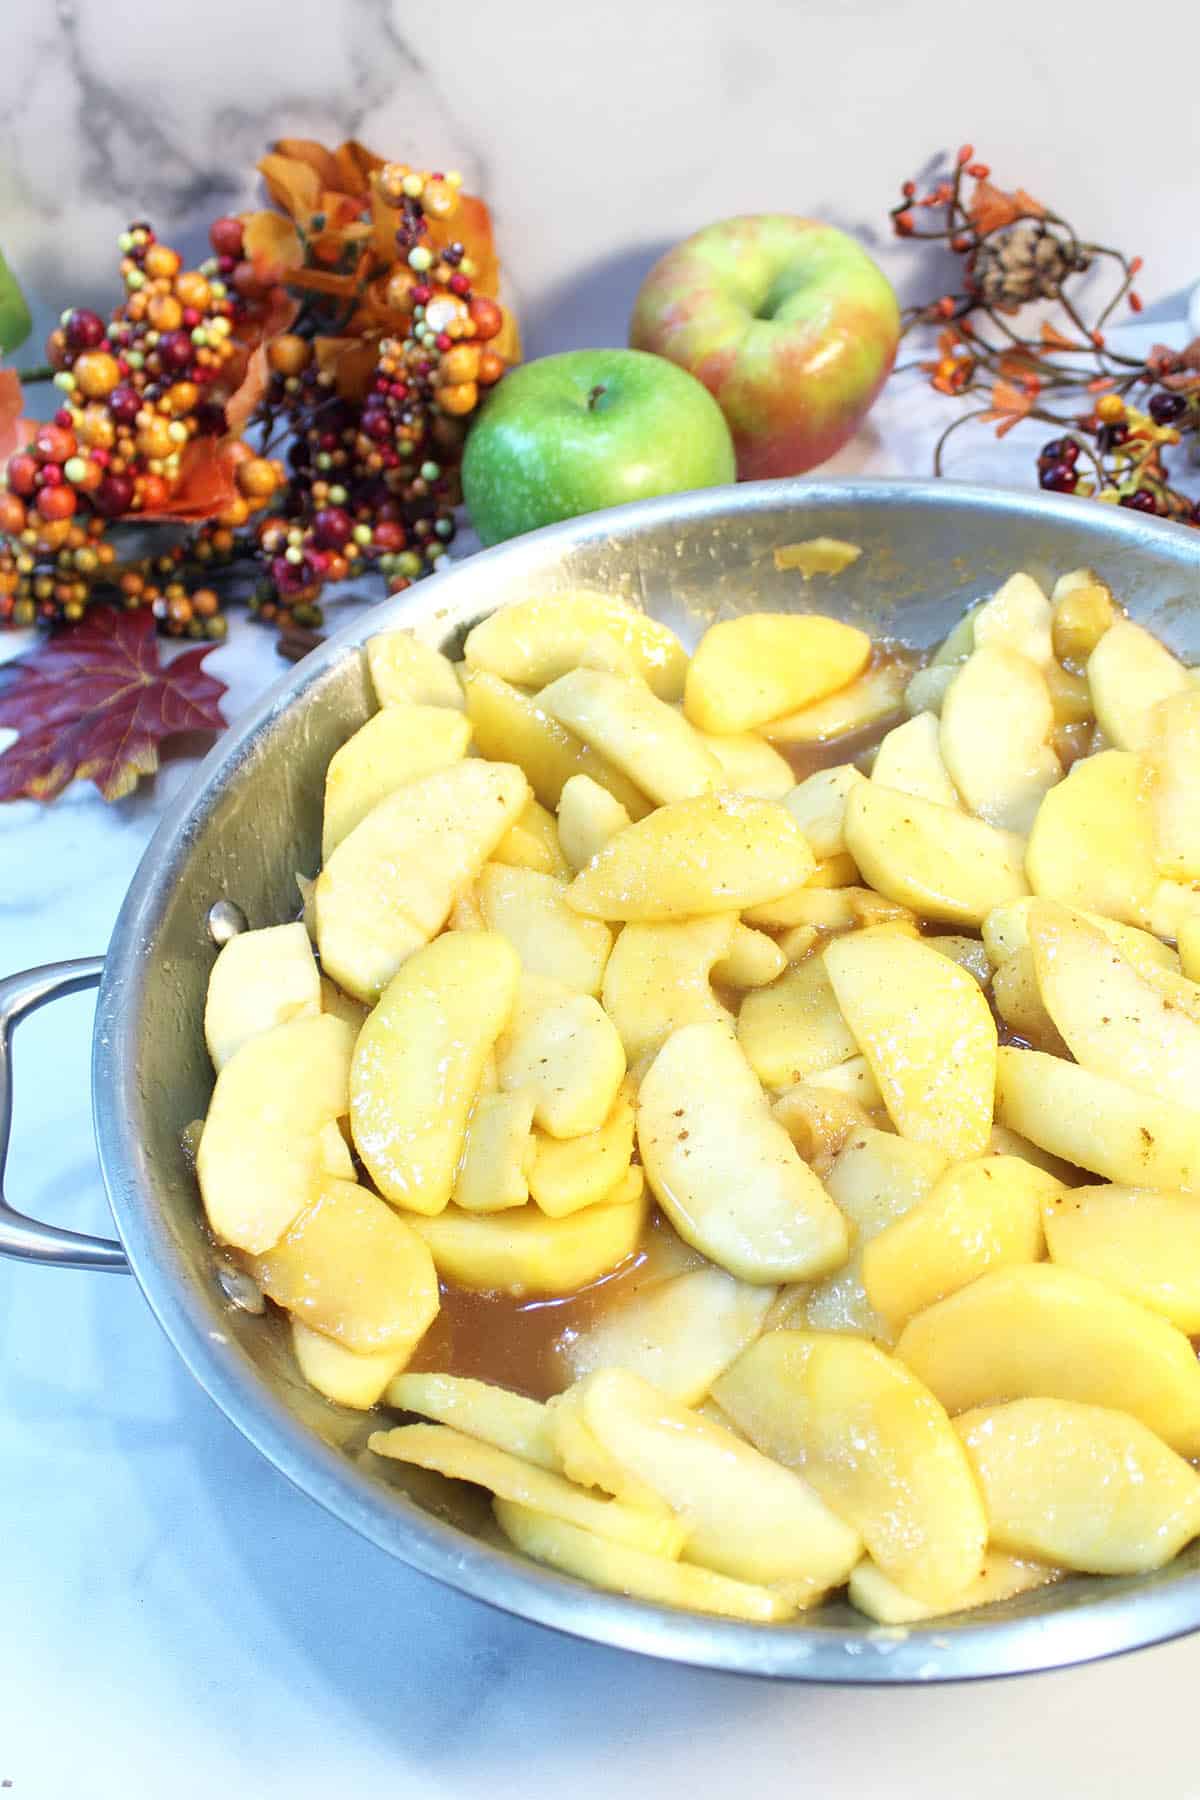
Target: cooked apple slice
<point>966,951</point>
<point>1091,846</point>
<point>533,642</point>
<point>927,1032</point>
<point>388,887</point>
<point>346,1376</point>
<point>678,1333</point>
<point>566,1174</point>
<point>512,726</point>
<point>1083,1486</point>
<point>749,765</point>
<point>406,672</point>
<point>819,1121</point>
<point>465,1458</point>
<point>875,1445</point>
<point>493,1171</point>
<point>567,1054</point>
<point>717,853</point>
<point>927,688</point>
<point>588,815</point>
<point>260,979</point>
<point>1083,610</point>
<point>1006,931</point>
<point>725,1173</point>
<point>260,1152</point>
<point>351,1267</point>
<point>909,759</point>
<point>753,960</point>
<point>531,842</point>
<point>1129,672</point>
<point>398,745</point>
<point>1114,1022</point>
<point>744,1515</point>
<point>1018,618</point>
<point>1174,765</point>
<point>875,695</point>
<point>525,1252</point>
<point>334,1153</point>
<point>1039,1330</point>
<point>983,1214</point>
<point>818,805</point>
<point>1144,1242</point>
<point>763,665</point>
<point>795,1028</point>
<point>492,1414</point>
<point>1097,1123</point>
<point>626,1571</point>
<point>853,1078</point>
<point>944,864</point>
<point>659,977</point>
<point>652,743</point>
<point>550,937</point>
<point>1000,1577</point>
<point>418,1062</point>
<point>1017,998</point>
<point>995,737</point>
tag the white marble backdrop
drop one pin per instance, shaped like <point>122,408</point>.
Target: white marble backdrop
<point>599,132</point>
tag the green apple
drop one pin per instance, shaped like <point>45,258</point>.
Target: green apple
<point>570,434</point>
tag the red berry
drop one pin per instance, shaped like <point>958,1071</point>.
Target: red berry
<point>486,317</point>
<point>332,527</point>
<point>377,425</point>
<point>422,295</point>
<point>459,284</point>
<point>84,329</point>
<point>1064,450</point>
<point>124,404</point>
<point>1059,477</point>
<point>113,496</point>
<point>1142,500</point>
<point>62,417</point>
<point>54,444</point>
<point>175,350</point>
<point>1166,408</point>
<point>191,317</point>
<point>226,236</point>
<point>56,502</point>
<point>50,475</point>
<point>22,474</point>
<point>388,535</point>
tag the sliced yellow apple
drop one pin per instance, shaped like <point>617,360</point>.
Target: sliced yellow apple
<point>909,759</point>
<point>1097,1123</point>
<point>1129,672</point>
<point>876,694</point>
<point>406,672</point>
<point>566,1174</point>
<point>758,667</point>
<point>533,642</point>
<point>725,1173</point>
<point>398,745</point>
<point>1144,1242</point>
<point>531,842</point>
<point>753,960</point>
<point>1000,1577</point>
<point>494,1415</point>
<point>493,1170</point>
<point>619,717</point>
<point>346,1376</point>
<point>513,726</point>
<point>260,979</point>
<point>818,805</point>
<point>588,815</point>
<point>550,937</point>
<point>749,765</point>
<point>995,737</point>
<point>795,1027</point>
<point>944,864</point>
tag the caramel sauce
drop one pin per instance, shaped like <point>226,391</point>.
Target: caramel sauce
<point>519,1342</point>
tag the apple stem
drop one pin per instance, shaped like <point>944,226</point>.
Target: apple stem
<point>596,394</point>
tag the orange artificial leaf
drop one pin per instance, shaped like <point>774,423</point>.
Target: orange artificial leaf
<point>293,185</point>
<point>15,429</point>
<point>93,702</point>
<point>352,361</point>
<point>1053,339</point>
<point>1027,204</point>
<point>990,208</point>
<point>1017,365</point>
<point>272,245</point>
<point>322,162</point>
<point>1007,398</point>
<point>205,485</point>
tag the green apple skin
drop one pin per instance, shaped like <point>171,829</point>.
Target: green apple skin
<point>573,433</point>
<point>787,322</point>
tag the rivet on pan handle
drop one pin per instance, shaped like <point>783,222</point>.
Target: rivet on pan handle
<point>22,1237</point>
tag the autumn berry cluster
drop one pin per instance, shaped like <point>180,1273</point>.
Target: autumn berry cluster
<point>1115,413</point>
<point>295,408</point>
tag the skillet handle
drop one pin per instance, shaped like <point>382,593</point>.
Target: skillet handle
<point>22,1237</point>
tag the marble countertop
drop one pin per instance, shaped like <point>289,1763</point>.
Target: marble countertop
<point>176,1620</point>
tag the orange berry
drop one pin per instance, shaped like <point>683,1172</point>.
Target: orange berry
<point>165,313</point>
<point>257,479</point>
<point>56,348</point>
<point>204,603</point>
<point>161,260</point>
<point>460,364</point>
<point>193,290</point>
<point>289,354</point>
<point>96,428</point>
<point>459,399</point>
<point>1111,409</point>
<point>491,367</point>
<point>153,492</point>
<point>12,513</point>
<point>180,397</point>
<point>440,200</point>
<point>236,513</point>
<point>400,284</point>
<point>57,504</point>
<point>96,374</point>
<point>154,439</point>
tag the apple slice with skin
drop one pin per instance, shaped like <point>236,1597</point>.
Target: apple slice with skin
<point>532,642</point>
<point>627,1571</point>
<point>718,853</point>
<point>1082,1486</point>
<point>1113,1021</point>
<point>1039,1330</point>
<point>749,670</point>
<point>875,1445</point>
<point>649,741</point>
<point>725,1173</point>
<point>942,863</point>
<point>351,1267</point>
<point>260,1151</point>
<point>745,1516</point>
<point>388,887</point>
<point>418,1062</point>
<point>927,1032</point>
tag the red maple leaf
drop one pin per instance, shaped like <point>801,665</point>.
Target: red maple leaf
<point>93,702</point>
